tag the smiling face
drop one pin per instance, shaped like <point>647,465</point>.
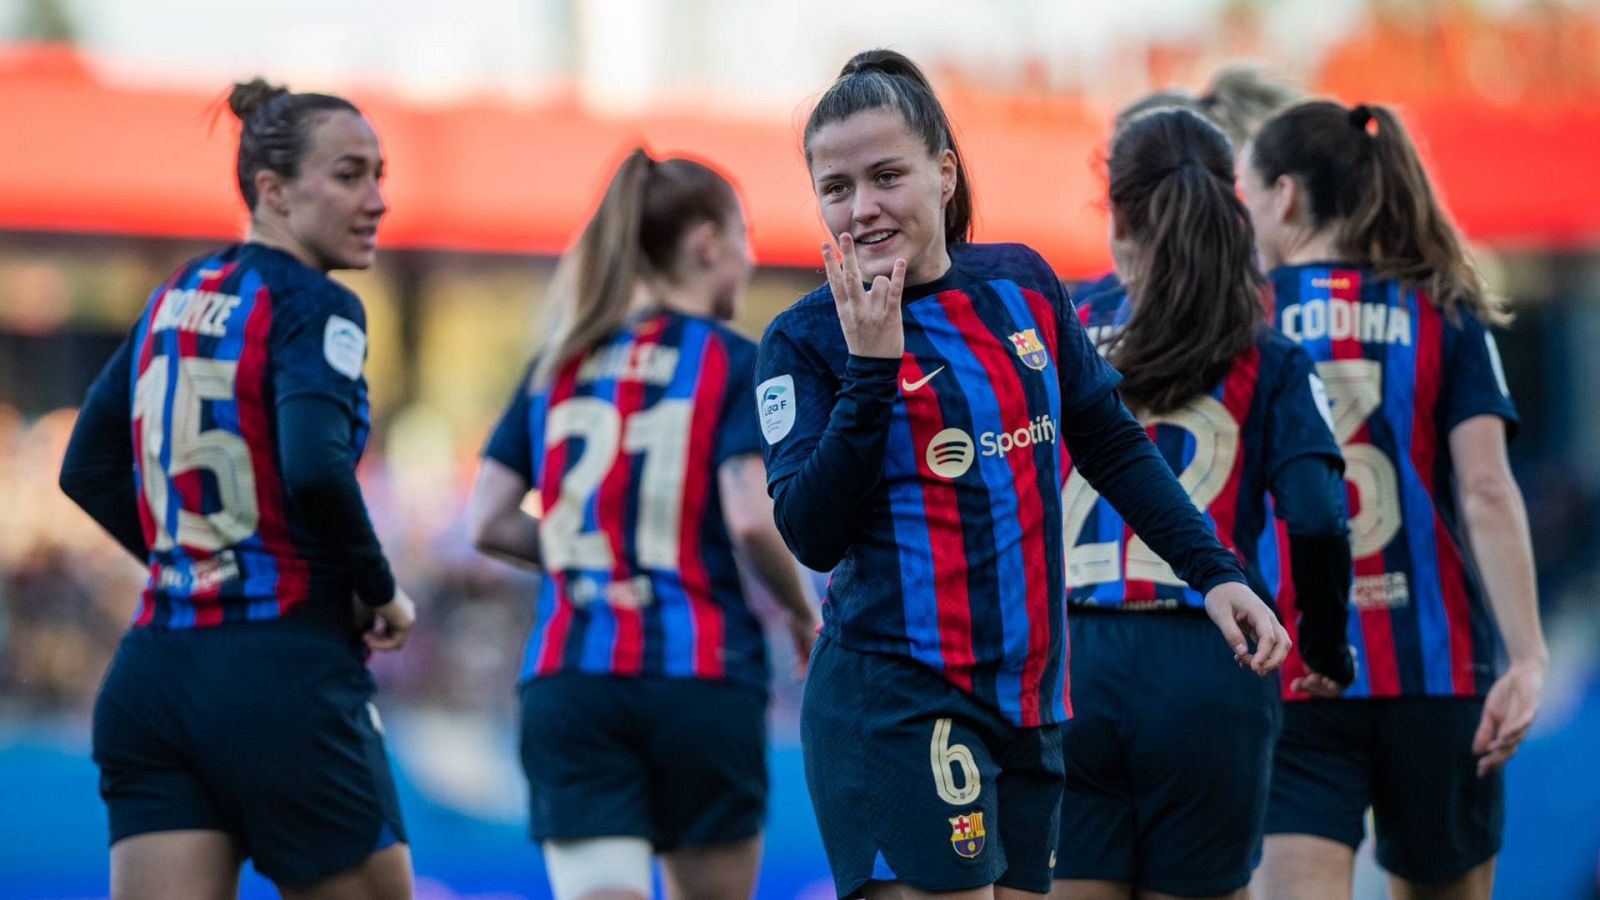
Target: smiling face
<point>331,208</point>
<point>876,181</point>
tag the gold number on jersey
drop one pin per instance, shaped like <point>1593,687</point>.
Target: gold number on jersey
<point>661,435</point>
<point>1216,449</point>
<point>1355,389</point>
<point>218,451</point>
<point>946,757</point>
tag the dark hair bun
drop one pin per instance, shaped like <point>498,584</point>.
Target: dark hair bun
<point>889,62</point>
<point>249,96</point>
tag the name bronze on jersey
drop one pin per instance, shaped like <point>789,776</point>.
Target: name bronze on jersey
<point>1338,319</point>
<point>202,312</point>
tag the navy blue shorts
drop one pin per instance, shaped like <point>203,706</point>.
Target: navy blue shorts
<point>1410,759</point>
<point>914,780</point>
<point>679,761</point>
<point>263,730</point>
<point>1168,755</point>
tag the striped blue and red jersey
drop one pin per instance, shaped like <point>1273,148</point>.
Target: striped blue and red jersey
<point>1224,446</point>
<point>622,446</point>
<point>959,561</point>
<point>225,340</point>
<point>1400,375</point>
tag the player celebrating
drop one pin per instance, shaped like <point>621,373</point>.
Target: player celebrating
<point>1372,279</point>
<point>915,410</point>
<point>644,685</point>
<point>1237,410</point>
<point>219,447</point>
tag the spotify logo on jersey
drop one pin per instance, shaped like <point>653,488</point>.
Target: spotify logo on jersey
<point>950,453</point>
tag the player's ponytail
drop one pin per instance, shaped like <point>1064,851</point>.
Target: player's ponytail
<point>275,129</point>
<point>1197,295</point>
<point>1362,175</point>
<point>879,79</point>
<point>646,211</point>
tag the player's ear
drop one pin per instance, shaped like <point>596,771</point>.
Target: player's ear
<point>272,191</point>
<point>1288,200</point>
<point>704,245</point>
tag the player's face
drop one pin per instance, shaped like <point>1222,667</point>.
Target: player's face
<point>877,181</point>
<point>335,201</point>
<point>1261,200</point>
<point>731,266</point>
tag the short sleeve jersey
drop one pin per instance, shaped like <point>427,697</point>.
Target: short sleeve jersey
<point>1400,375</point>
<point>622,447</point>
<point>219,345</point>
<point>959,562</point>
<point>1225,447</point>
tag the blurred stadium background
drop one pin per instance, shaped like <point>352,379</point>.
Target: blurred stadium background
<point>501,118</point>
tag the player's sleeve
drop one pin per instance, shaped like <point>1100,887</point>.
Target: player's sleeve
<point>1086,378</point>
<point>1474,380</point>
<point>97,470</point>
<point>825,442</point>
<point>1299,419</point>
<point>317,360</point>
<point>738,425</point>
<point>321,349</point>
<point>510,444</point>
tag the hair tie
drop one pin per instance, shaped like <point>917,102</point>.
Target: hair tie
<point>1360,117</point>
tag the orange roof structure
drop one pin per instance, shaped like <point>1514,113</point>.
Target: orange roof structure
<point>84,155</point>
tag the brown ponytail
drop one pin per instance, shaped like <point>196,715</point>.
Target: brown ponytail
<point>1197,294</point>
<point>1361,170</point>
<point>647,209</point>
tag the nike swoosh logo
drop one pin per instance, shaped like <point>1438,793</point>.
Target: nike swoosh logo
<point>909,386</point>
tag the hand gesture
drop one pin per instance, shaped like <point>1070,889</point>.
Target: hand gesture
<point>870,318</point>
<point>386,627</point>
<point>1239,614</point>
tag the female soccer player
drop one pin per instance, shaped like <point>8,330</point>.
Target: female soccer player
<point>915,410</point>
<point>219,447</point>
<point>1372,279</point>
<point>644,686</point>
<point>1169,752</point>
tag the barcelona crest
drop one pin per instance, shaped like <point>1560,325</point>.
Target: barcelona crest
<point>1030,349</point>
<point>966,835</point>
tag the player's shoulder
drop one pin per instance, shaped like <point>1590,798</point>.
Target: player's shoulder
<point>1279,357</point>
<point>1102,301</point>
<point>810,320</point>
<point>1017,263</point>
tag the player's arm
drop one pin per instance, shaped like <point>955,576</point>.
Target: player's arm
<point>97,471</point>
<point>1497,530</point>
<point>1308,493</point>
<point>749,514</point>
<point>500,527</point>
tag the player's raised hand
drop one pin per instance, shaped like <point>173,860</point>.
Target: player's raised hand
<point>870,318</point>
<point>1241,616</point>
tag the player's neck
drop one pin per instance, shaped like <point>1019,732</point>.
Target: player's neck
<point>270,234</point>
<point>1323,246</point>
<point>691,299</point>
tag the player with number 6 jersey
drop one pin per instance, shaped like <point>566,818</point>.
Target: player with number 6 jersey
<point>917,410</point>
<point>644,686</point>
<point>1239,414</point>
<point>219,447</point>
<point>1372,280</point>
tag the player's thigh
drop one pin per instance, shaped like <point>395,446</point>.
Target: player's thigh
<point>384,875</point>
<point>1322,771</point>
<point>901,773</point>
<point>721,872</point>
<point>1477,884</point>
<point>584,755</point>
<point>1095,855</point>
<point>603,868</point>
<point>1304,867</point>
<point>175,865</point>
<point>1436,820</point>
<point>295,742</point>
<point>897,890</point>
<point>706,746</point>
<point>1030,783</point>
<point>1200,734</point>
